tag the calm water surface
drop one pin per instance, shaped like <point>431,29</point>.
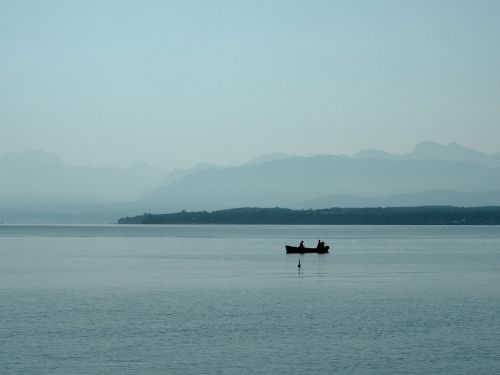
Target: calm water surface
<point>228,300</point>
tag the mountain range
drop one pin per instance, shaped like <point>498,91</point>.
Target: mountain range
<point>432,174</point>
<point>37,177</point>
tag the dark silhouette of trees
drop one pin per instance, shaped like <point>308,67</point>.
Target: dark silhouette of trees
<point>425,215</point>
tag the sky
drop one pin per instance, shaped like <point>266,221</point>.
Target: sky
<point>174,83</point>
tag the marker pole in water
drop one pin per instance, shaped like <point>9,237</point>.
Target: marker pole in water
<point>299,266</point>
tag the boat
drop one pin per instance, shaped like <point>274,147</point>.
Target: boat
<point>306,250</point>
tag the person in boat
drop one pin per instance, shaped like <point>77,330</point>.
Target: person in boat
<point>301,244</point>
<point>320,244</point>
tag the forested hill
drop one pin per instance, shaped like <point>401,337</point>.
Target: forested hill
<point>428,215</point>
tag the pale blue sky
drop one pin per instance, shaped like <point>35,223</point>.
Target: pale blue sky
<point>177,82</point>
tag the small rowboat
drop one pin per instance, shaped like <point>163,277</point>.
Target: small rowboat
<point>306,250</point>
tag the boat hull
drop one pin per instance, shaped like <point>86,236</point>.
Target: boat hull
<point>306,250</point>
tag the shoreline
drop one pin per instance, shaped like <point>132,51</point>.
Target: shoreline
<point>422,215</point>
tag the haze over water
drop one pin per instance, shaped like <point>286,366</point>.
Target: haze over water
<point>108,107</point>
<point>227,299</point>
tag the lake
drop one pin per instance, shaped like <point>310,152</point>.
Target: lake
<point>215,299</point>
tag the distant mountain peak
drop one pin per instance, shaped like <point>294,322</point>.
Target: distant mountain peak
<point>371,153</point>
<point>433,150</point>
<point>428,144</point>
<point>453,152</point>
<point>269,157</point>
<point>431,147</point>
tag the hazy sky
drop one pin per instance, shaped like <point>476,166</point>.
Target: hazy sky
<point>177,82</point>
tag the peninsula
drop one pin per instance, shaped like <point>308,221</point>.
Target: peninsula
<point>423,215</point>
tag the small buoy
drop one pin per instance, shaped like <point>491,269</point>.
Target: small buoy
<point>299,265</point>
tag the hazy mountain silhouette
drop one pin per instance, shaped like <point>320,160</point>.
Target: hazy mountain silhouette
<point>289,181</point>
<point>432,150</point>
<point>34,176</point>
<point>40,177</point>
<point>426,198</point>
<point>177,174</point>
<point>35,182</point>
<point>269,157</point>
<point>37,186</point>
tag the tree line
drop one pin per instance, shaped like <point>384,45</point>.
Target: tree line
<point>424,215</point>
